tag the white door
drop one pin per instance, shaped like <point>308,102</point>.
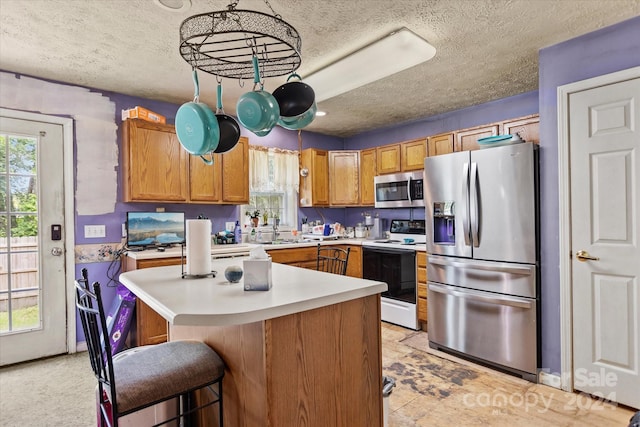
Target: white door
<point>33,321</point>
<point>604,146</point>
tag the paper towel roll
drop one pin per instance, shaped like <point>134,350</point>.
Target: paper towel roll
<point>198,242</point>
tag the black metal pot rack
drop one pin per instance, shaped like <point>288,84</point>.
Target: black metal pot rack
<point>224,43</point>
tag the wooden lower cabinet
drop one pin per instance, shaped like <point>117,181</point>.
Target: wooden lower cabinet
<point>354,266</point>
<point>149,327</point>
<point>305,257</point>
<point>421,277</point>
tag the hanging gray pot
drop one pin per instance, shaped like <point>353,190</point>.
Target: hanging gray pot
<point>196,126</point>
<point>258,111</point>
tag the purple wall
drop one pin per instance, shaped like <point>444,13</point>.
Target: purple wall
<point>601,52</point>
<point>477,115</point>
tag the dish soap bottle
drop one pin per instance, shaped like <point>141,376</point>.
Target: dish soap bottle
<point>237,233</point>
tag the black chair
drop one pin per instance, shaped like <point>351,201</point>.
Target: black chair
<point>332,259</point>
<point>147,375</point>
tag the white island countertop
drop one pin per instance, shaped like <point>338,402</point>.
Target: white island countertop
<point>216,302</point>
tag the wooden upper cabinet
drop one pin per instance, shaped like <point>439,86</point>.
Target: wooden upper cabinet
<point>154,163</point>
<point>226,181</point>
<point>388,159</point>
<point>205,180</point>
<point>527,127</point>
<point>235,173</point>
<point>440,144</point>
<point>401,157</point>
<point>314,188</point>
<point>468,139</point>
<point>344,178</point>
<point>412,154</point>
<point>367,173</point>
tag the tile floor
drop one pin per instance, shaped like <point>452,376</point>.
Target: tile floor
<point>436,389</point>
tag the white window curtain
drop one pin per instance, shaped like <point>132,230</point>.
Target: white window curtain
<point>274,183</point>
<point>285,171</point>
<point>258,170</point>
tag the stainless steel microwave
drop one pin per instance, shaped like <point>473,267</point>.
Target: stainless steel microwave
<point>399,190</point>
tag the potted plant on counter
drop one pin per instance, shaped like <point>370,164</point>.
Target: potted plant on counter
<point>255,217</point>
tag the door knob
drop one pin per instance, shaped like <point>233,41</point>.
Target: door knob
<point>56,251</point>
<point>584,256</point>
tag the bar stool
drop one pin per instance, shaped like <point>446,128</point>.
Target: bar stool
<point>159,373</point>
<point>332,259</point>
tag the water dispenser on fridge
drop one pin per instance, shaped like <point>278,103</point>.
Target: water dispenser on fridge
<point>444,223</point>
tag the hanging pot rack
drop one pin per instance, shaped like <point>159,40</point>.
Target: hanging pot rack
<point>224,43</point>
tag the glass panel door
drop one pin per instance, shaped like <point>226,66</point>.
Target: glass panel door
<point>19,283</point>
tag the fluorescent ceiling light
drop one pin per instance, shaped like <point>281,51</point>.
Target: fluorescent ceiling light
<point>393,53</point>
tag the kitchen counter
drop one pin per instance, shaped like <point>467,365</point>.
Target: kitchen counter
<point>216,302</point>
<point>243,248</point>
<point>307,349</point>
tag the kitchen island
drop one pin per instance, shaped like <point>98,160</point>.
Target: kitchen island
<point>307,352</point>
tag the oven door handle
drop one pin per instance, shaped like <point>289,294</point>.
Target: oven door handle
<point>386,250</point>
<point>481,297</point>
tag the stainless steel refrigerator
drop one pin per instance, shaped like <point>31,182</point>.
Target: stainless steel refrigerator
<point>482,245</point>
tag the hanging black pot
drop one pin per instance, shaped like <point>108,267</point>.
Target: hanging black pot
<point>294,98</point>
<point>229,127</point>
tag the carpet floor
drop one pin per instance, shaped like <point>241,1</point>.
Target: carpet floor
<point>57,391</point>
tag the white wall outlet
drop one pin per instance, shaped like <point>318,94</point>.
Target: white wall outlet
<point>229,225</point>
<point>94,231</point>
<point>124,230</point>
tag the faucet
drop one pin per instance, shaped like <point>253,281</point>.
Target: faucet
<point>276,232</point>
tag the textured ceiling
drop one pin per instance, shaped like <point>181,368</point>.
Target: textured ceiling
<point>486,49</point>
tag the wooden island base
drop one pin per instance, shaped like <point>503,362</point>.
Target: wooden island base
<point>321,367</point>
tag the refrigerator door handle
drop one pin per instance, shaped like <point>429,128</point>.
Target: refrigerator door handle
<point>504,268</point>
<point>474,211</point>
<point>481,296</point>
<point>465,198</point>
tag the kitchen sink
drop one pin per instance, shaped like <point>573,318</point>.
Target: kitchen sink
<point>282,242</point>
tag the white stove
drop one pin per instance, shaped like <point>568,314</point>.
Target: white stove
<point>393,261</point>
<point>403,234</point>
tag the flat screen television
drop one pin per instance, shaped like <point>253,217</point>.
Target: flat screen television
<point>155,229</point>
